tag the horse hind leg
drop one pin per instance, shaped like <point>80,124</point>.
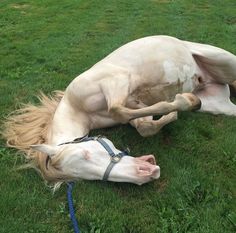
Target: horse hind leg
<point>215,99</point>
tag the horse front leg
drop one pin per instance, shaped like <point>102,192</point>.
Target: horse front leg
<point>146,126</point>
<point>182,102</point>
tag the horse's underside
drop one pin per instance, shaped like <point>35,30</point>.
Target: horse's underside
<point>156,75</point>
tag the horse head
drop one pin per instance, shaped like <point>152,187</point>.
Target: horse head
<point>98,159</point>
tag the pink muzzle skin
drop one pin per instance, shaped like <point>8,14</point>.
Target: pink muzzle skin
<point>146,166</point>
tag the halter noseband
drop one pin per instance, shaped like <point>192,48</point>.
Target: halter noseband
<point>115,158</point>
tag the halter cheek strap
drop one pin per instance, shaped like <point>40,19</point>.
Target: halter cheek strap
<point>115,158</point>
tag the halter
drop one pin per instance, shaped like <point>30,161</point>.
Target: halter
<point>115,158</point>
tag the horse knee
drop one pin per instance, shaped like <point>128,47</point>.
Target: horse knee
<point>147,128</point>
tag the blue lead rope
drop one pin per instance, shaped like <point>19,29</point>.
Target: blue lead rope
<point>71,207</point>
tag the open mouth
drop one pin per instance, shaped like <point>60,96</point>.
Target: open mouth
<point>146,167</point>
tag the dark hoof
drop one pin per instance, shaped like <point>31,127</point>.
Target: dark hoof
<point>197,106</point>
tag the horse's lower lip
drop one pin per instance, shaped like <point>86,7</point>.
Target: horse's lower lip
<point>148,170</point>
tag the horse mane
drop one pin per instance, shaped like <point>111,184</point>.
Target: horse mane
<point>30,125</point>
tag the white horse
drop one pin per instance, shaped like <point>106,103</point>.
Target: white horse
<point>157,75</point>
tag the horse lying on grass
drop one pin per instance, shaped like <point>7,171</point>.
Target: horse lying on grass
<point>156,75</point>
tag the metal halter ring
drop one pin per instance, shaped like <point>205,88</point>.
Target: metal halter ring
<point>116,158</point>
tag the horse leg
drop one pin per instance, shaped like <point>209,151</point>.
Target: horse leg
<point>116,92</point>
<point>182,102</point>
<point>215,99</point>
<point>146,126</point>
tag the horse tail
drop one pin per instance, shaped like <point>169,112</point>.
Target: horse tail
<point>30,125</point>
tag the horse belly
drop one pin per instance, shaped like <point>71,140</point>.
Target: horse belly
<point>174,80</point>
<point>152,95</point>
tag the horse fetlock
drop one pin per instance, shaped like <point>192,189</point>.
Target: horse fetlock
<point>185,102</point>
<point>120,114</point>
<point>195,101</point>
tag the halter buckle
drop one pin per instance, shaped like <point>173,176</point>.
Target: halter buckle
<point>116,158</point>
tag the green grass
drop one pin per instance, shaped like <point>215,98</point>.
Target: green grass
<point>43,46</point>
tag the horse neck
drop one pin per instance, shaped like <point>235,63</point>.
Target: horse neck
<point>68,123</point>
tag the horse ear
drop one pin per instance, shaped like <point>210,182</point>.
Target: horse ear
<point>45,148</point>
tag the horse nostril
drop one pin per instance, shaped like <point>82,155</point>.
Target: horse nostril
<point>152,161</point>
<point>148,158</point>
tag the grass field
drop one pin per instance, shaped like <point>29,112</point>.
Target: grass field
<point>43,46</point>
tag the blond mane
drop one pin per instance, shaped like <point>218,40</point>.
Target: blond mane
<point>28,126</point>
